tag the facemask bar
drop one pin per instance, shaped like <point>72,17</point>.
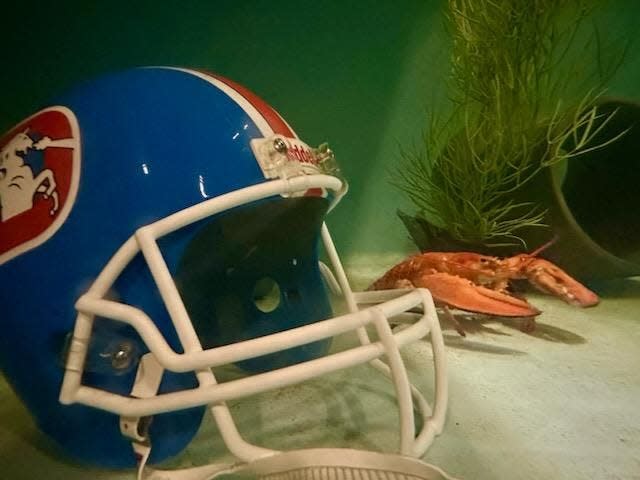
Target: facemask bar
<point>195,358</point>
<point>338,281</point>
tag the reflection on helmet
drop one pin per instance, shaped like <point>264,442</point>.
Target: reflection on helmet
<point>155,223</point>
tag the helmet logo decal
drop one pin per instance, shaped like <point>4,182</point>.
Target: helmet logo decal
<point>39,173</point>
<point>18,185</point>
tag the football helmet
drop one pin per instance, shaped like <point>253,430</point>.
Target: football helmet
<point>156,223</point>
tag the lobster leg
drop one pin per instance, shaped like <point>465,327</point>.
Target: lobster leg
<point>454,321</point>
<point>463,294</point>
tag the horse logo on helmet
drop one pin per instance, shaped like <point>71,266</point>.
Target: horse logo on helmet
<point>39,174</point>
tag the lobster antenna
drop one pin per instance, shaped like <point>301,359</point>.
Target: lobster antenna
<point>544,246</point>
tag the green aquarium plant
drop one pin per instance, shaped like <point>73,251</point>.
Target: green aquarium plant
<point>525,80</point>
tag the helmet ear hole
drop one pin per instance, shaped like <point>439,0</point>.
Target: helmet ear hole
<point>266,295</point>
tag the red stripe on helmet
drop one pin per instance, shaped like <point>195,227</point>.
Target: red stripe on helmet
<point>275,121</point>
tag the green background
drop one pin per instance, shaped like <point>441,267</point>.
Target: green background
<point>358,74</point>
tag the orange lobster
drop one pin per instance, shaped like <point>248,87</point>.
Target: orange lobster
<point>479,283</point>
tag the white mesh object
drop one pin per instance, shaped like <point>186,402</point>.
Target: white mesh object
<point>314,464</point>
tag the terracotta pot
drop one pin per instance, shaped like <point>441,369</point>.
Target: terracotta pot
<point>593,203</point>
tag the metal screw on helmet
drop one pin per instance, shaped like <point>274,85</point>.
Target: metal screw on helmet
<point>122,357</point>
<point>280,145</point>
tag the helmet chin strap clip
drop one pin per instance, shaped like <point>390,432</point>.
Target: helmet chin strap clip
<point>146,385</point>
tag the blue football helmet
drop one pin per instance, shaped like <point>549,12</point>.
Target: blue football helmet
<point>155,223</point>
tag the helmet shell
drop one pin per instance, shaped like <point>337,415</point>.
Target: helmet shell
<point>140,145</point>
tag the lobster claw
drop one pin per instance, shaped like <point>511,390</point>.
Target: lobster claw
<point>463,294</point>
<point>549,278</point>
